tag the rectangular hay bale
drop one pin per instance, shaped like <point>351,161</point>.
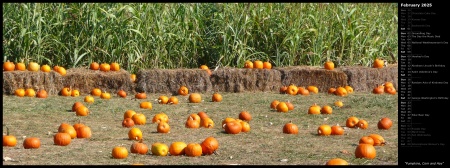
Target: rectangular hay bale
<point>51,82</point>
<point>242,80</point>
<point>170,80</point>
<point>305,76</point>
<point>366,78</point>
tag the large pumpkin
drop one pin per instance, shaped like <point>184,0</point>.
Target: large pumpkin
<point>84,132</point>
<point>193,149</point>
<point>119,152</point>
<point>62,139</point>
<point>139,119</point>
<point>8,66</point>
<point>31,143</point>
<point>384,123</point>
<point>233,127</point>
<point>195,98</point>
<point>135,134</point>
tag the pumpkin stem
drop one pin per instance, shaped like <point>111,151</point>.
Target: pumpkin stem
<point>7,130</point>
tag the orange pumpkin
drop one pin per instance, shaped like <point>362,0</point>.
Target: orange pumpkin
<point>324,130</point>
<point>163,127</point>
<point>76,105</point>
<point>129,114</point>
<point>82,111</point>
<point>267,65</point>
<point>30,92</point>
<point>216,97</point>
<point>283,89</point>
<point>177,148</point>
<point>119,152</point>
<point>114,66</point>
<point>139,119</point>
<point>45,68</point>
<point>160,117</point>
<point>384,123</point>
<point>33,66</point>
<point>139,148</point>
<point>193,150</point>
<point>133,78</point>
<point>245,115</point>
<point>313,89</point>
<point>207,122</point>
<point>329,65</point>
<point>365,151</point>
<point>19,92</point>
<point>41,94</point>
<point>183,90</point>
<point>94,66</point>
<point>66,91</point>
<point>20,66</point>
<point>248,64</point>
<point>331,90</point>
<point>122,93</point>
<point>173,100</point>
<point>351,122</point>
<point>191,123</point>
<point>62,71</point>
<point>282,107</point>
<point>337,130</point>
<point>209,145</point>
<point>127,122</point>
<point>378,140</point>
<point>292,89</point>
<point>31,143</point>
<point>96,92</point>
<point>8,66</point>
<point>326,109</point>
<point>163,99</point>
<point>274,104</point>
<point>195,98</point>
<point>258,64</point>
<point>233,127</point>
<point>366,140</point>
<point>378,63</point>
<point>341,91</point>
<point>290,128</point>
<point>314,109</point>
<point>390,90</point>
<point>9,140</point>
<point>362,124</point>
<point>140,95</point>
<point>336,161</point>
<point>135,134</point>
<point>105,67</point>
<point>290,105</point>
<point>303,91</point>
<point>379,89</point>
<point>84,132</point>
<point>202,115</point>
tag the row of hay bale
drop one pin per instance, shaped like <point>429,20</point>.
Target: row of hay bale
<point>197,80</point>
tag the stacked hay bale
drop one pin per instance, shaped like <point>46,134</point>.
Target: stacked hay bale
<point>366,78</point>
<point>85,80</point>
<point>170,80</point>
<point>52,82</point>
<point>242,80</point>
<point>305,76</point>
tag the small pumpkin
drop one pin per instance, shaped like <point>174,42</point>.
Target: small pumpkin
<point>193,150</point>
<point>282,107</point>
<point>20,66</point>
<point>366,140</point>
<point>245,115</point>
<point>129,114</point>
<point>290,105</point>
<point>75,93</point>
<point>139,119</point>
<point>133,78</point>
<point>119,152</point>
<point>159,149</point>
<point>135,134</point>
<point>390,90</point>
<point>313,89</point>
<point>105,67</point>
<point>122,93</point>
<point>314,109</point>
<point>209,145</point>
<point>233,127</point>
<point>105,95</point>
<point>127,122</point>
<point>351,122</point>
<point>33,66</point>
<point>283,89</point>
<point>163,99</point>
<point>341,91</point>
<point>378,63</point>
<point>337,130</point>
<point>202,115</point>
<point>384,123</point>
<point>160,117</point>
<point>32,143</point>
<point>82,111</point>
<point>61,70</point>
<point>68,129</point>
<point>173,100</point>
<point>349,89</point>
<point>326,109</point>
<point>290,128</point>
<point>378,140</point>
<point>96,92</point>
<point>41,94</point>
<point>177,148</point>
<point>216,97</point>
<point>94,66</point>
<point>336,161</point>
<point>338,103</point>
<point>19,92</point>
<point>324,129</point>
<point>62,139</point>
<point>257,64</point>
<point>84,132</point>
<point>30,92</point>
<point>362,124</point>
<point>66,91</point>
<point>9,140</point>
<point>267,65</point>
<point>248,64</point>
<point>303,91</point>
<point>139,148</point>
<point>195,98</point>
<point>379,89</point>
<point>8,66</point>
<point>140,95</point>
<point>292,89</point>
<point>76,105</point>
<point>114,66</point>
<point>245,126</point>
<point>329,65</point>
<point>89,99</point>
<point>46,68</point>
<point>191,123</point>
<point>207,122</point>
<point>388,84</point>
<point>183,91</point>
<point>146,105</point>
<point>274,104</point>
<point>331,90</point>
<point>163,127</point>
<point>365,151</point>
<point>227,120</point>
<point>205,67</point>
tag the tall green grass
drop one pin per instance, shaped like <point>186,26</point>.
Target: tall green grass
<point>186,35</point>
